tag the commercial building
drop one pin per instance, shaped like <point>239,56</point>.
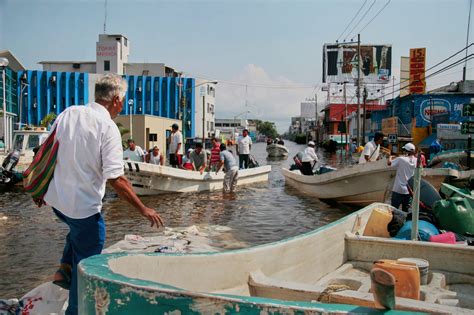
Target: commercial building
<point>153,89</point>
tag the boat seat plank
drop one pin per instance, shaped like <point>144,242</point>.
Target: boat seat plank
<point>262,286</point>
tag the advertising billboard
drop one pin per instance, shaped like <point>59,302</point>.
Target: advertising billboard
<point>417,70</point>
<point>340,63</point>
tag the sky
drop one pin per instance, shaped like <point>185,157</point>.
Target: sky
<point>266,55</point>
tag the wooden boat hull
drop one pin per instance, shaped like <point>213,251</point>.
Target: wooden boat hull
<point>360,184</point>
<point>277,150</point>
<point>149,179</point>
<point>437,176</point>
<point>285,277</point>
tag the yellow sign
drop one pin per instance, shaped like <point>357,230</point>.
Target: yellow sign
<point>390,125</point>
<point>417,70</point>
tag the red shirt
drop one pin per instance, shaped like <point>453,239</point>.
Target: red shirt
<point>215,151</point>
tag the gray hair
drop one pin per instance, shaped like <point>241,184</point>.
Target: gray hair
<point>109,86</point>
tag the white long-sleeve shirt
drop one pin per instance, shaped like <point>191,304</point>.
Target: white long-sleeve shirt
<point>309,155</point>
<point>89,153</point>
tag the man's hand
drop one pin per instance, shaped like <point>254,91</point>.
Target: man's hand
<point>124,189</point>
<point>153,217</point>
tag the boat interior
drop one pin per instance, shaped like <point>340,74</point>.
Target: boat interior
<point>329,265</point>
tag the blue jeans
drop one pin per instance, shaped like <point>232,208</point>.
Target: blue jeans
<point>86,238</point>
<point>400,199</point>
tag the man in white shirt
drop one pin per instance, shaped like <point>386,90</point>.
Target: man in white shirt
<point>405,166</point>
<point>309,159</point>
<point>134,152</point>
<point>244,145</point>
<point>372,149</point>
<point>176,146</point>
<point>89,155</point>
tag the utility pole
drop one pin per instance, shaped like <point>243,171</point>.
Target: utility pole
<point>467,42</point>
<point>358,90</point>
<point>204,120</point>
<point>364,113</point>
<point>345,116</point>
<point>316,122</point>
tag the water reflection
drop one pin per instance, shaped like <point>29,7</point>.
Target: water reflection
<point>31,239</point>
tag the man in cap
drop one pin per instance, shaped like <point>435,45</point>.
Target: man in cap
<point>371,149</point>
<point>176,146</point>
<point>405,166</point>
<point>309,159</point>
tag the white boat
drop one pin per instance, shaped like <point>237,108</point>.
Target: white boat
<point>150,179</point>
<point>325,271</point>
<point>277,150</point>
<point>359,184</point>
<point>25,141</point>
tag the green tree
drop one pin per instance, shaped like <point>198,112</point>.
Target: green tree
<point>123,132</point>
<point>267,128</point>
<point>48,120</point>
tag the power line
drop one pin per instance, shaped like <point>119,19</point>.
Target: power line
<point>386,4</point>
<point>256,85</point>
<point>448,67</point>
<point>353,18</point>
<point>362,18</point>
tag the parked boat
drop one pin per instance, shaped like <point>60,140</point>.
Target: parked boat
<point>458,157</point>
<point>297,275</point>
<point>150,179</point>
<point>25,141</point>
<point>359,184</point>
<point>277,150</point>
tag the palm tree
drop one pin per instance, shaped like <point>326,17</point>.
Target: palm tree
<point>123,132</point>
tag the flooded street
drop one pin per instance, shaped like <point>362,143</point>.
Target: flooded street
<point>31,239</point>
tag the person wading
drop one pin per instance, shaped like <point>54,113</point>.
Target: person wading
<point>89,155</point>
<point>405,166</point>
<point>231,169</point>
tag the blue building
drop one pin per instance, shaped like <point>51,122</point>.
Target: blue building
<point>47,92</point>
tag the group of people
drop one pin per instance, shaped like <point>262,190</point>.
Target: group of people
<point>404,164</point>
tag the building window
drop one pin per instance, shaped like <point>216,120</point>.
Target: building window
<point>125,42</point>
<point>106,65</point>
<point>148,84</point>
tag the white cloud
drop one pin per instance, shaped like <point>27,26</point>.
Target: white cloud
<point>265,99</point>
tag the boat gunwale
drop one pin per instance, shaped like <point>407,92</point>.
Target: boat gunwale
<point>97,267</point>
<point>323,179</point>
<point>165,171</point>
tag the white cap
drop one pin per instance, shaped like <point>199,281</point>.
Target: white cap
<point>311,143</point>
<point>410,147</point>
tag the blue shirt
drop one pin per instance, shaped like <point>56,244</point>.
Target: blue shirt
<point>229,160</point>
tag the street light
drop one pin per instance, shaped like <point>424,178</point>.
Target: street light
<point>203,107</point>
<point>130,105</point>
<point>3,66</point>
<point>23,85</point>
<point>235,117</point>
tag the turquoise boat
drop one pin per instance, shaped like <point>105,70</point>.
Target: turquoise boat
<point>325,271</point>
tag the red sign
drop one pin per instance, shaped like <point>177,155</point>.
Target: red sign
<point>417,70</point>
<point>106,51</point>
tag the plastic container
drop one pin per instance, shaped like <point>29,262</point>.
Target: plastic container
<point>407,277</point>
<point>377,223</point>
<point>423,267</point>
<point>446,238</point>
<point>425,230</point>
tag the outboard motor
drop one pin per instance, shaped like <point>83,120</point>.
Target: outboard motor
<point>9,163</point>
